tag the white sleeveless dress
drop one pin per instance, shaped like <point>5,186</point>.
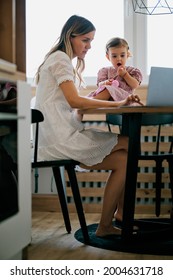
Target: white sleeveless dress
<point>62,135</point>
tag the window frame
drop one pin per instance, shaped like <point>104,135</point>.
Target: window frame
<point>135,31</point>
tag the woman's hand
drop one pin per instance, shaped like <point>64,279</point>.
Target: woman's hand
<point>132,98</point>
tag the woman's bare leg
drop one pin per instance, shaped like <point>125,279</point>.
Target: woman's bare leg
<point>105,95</point>
<point>114,188</point>
<point>118,215</point>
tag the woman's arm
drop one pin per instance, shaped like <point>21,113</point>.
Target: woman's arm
<point>82,102</point>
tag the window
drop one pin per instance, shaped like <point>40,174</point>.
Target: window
<point>44,21</point>
<point>149,37</point>
<point>152,37</point>
<point>159,41</point>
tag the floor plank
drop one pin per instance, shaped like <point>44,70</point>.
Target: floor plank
<point>51,242</point>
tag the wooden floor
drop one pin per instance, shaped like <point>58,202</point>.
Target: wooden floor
<point>51,242</point>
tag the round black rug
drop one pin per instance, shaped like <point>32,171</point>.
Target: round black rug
<point>151,238</point>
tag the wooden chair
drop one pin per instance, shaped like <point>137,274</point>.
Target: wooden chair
<point>69,165</point>
<point>149,120</point>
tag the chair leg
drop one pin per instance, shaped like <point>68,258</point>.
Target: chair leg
<point>109,127</point>
<point>62,197</point>
<point>170,162</point>
<point>158,186</point>
<point>171,176</point>
<point>36,175</point>
<point>77,200</point>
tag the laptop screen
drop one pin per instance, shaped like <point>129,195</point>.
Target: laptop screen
<point>160,87</point>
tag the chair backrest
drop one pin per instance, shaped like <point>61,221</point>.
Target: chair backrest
<point>36,117</point>
<point>147,120</point>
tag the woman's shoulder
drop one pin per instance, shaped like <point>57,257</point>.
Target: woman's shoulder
<point>57,61</point>
<point>60,55</point>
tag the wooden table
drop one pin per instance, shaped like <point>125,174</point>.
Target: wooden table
<point>131,126</point>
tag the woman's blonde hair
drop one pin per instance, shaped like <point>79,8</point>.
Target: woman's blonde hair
<point>75,26</point>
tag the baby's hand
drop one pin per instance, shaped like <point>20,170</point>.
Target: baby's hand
<point>106,82</point>
<point>121,71</point>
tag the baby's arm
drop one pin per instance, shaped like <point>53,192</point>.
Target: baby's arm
<point>106,82</point>
<point>130,80</point>
<point>102,77</point>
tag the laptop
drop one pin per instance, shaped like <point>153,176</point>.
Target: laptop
<point>160,87</point>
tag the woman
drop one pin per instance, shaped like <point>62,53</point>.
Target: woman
<point>63,135</point>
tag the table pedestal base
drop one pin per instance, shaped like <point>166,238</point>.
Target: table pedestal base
<point>152,229</point>
<point>153,238</point>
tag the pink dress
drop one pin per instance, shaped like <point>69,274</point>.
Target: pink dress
<point>121,89</point>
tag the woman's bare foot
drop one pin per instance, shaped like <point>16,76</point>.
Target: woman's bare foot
<point>105,231</point>
<point>118,218</point>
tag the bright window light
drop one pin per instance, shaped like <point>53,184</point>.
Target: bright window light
<point>44,21</point>
<point>159,41</point>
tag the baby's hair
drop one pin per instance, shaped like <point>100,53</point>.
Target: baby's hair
<point>117,42</point>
